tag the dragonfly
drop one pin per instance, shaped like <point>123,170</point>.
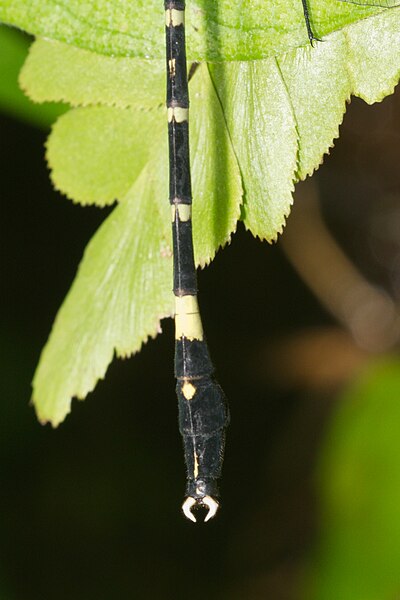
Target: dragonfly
<point>202,404</point>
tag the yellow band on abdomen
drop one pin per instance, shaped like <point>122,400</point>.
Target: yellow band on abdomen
<point>174,17</point>
<point>187,318</point>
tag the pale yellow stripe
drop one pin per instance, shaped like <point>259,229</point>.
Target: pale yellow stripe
<point>174,17</point>
<point>184,211</point>
<point>187,318</point>
<point>188,390</point>
<point>171,66</point>
<point>196,466</point>
<point>178,114</point>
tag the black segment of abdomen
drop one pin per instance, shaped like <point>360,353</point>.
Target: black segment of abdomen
<point>179,183</point>
<point>177,87</point>
<point>185,277</point>
<point>192,359</point>
<point>202,423</point>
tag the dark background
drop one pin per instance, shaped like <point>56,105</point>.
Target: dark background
<point>92,509</point>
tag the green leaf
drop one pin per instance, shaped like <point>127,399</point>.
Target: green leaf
<point>13,50</point>
<point>122,290</point>
<point>222,30</point>
<point>321,82</point>
<point>123,287</point>
<point>60,73</point>
<point>284,113</point>
<point>375,56</point>
<point>217,183</point>
<point>263,133</point>
<point>358,555</point>
<point>96,153</point>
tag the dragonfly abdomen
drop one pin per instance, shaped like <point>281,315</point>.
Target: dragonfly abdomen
<point>203,412</point>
